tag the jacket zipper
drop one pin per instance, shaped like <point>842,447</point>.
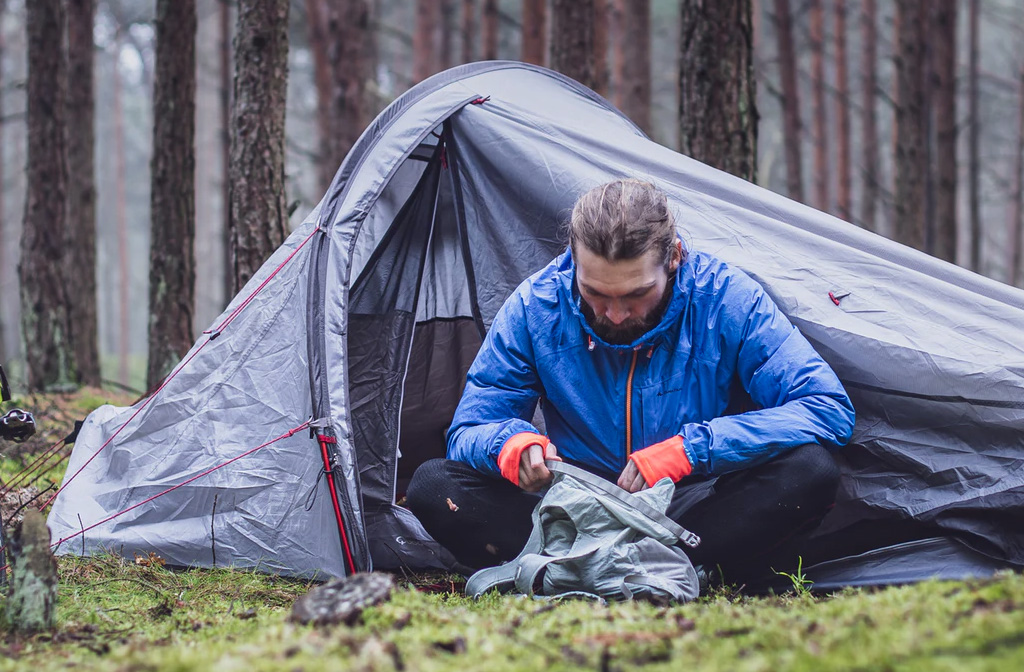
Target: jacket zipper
<point>629,407</point>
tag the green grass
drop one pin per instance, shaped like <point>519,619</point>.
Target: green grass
<point>115,614</point>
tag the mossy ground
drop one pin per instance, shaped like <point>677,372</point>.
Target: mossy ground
<point>118,614</point>
<point>134,614</point>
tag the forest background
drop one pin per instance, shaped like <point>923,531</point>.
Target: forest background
<point>905,117</point>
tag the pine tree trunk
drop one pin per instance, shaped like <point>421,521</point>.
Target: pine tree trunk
<point>44,314</point>
<point>869,75</point>
<point>717,112</point>
<point>911,138</point>
<point>943,41</point>
<point>259,212</point>
<point>172,258</point>
<point>490,30</point>
<point>636,62</point>
<point>81,268</point>
<point>444,54</point>
<point>121,213</point>
<point>348,30</point>
<point>424,39</point>
<point>790,100</point>
<point>601,71</point>
<point>617,73</point>
<point>844,198</point>
<point>1015,267</point>
<point>973,143</point>
<point>226,73</point>
<point>819,112</point>
<point>316,24</point>
<point>572,40</point>
<point>5,262</point>
<point>468,30</point>
<point>534,31</point>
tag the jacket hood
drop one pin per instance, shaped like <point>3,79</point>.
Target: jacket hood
<point>661,332</point>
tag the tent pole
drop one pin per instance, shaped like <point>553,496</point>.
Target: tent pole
<point>329,471</point>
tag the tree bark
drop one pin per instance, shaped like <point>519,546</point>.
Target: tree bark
<point>424,40</point>
<point>973,133</point>
<point>81,140</point>
<point>490,30</point>
<point>601,71</point>
<point>535,30</point>
<point>790,100</point>
<point>468,30</point>
<point>820,113</point>
<point>844,196</point>
<point>869,75</point>
<point>45,321</point>
<point>572,40</point>
<point>943,41</point>
<point>717,112</point>
<point>636,62</point>
<point>911,138</point>
<point>172,257</point>
<point>259,212</point>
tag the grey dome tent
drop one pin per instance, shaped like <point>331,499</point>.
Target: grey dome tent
<point>283,438</point>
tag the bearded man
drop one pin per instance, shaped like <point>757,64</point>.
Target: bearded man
<point>637,350</point>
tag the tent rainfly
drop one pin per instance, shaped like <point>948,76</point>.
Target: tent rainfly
<point>283,438</point>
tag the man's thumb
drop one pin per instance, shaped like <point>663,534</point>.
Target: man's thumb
<point>551,453</point>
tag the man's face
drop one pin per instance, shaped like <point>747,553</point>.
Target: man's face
<point>623,300</point>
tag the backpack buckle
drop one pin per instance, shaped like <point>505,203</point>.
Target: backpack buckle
<point>690,539</point>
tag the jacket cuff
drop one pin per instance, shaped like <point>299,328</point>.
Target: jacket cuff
<point>665,459</point>
<point>512,452</point>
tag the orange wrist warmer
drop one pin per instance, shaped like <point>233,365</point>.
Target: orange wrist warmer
<point>663,459</point>
<point>512,452</point>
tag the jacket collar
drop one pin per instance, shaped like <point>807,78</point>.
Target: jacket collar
<point>660,333</point>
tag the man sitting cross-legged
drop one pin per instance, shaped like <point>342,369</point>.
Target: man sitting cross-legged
<point>633,346</point>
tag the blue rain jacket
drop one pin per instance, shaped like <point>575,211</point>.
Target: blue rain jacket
<point>719,326</point>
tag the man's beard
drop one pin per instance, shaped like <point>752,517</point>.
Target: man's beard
<point>631,329</point>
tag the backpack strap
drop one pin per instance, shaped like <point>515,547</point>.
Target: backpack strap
<point>667,588</point>
<point>626,498</point>
<point>504,576</point>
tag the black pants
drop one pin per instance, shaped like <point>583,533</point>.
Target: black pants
<point>749,521</point>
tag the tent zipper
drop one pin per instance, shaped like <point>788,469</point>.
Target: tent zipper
<point>629,406</point>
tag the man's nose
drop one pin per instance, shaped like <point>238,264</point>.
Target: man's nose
<point>616,313</point>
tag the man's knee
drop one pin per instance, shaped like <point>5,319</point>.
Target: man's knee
<point>426,485</point>
<point>813,470</point>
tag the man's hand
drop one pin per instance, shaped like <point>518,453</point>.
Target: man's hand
<point>631,480</point>
<point>533,474</point>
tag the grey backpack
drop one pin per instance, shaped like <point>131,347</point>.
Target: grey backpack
<point>592,537</point>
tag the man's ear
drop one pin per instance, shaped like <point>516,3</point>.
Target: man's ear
<point>677,257</point>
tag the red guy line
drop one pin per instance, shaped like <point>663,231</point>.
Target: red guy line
<point>216,332</point>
